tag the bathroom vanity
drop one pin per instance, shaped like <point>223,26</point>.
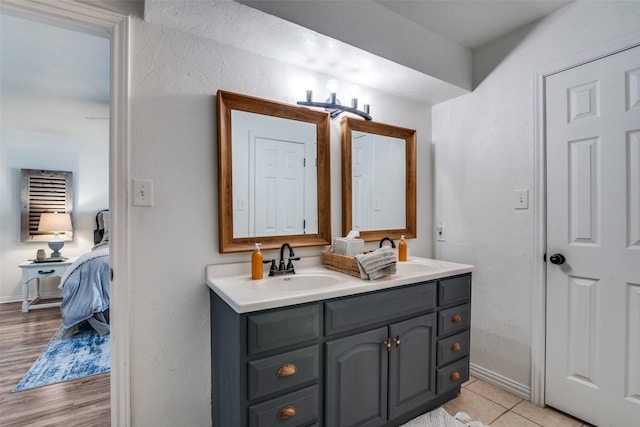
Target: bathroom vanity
<point>321,348</point>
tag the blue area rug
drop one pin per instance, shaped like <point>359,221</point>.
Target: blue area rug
<point>83,354</point>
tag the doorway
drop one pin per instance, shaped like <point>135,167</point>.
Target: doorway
<point>574,349</point>
<point>86,17</point>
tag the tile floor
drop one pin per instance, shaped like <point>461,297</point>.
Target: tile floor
<point>498,408</point>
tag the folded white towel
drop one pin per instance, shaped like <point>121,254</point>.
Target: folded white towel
<point>377,264</point>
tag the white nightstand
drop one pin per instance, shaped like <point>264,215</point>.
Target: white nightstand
<point>39,270</point>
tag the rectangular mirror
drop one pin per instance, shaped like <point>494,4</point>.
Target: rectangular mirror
<point>273,174</point>
<point>378,180</point>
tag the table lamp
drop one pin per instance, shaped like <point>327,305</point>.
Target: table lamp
<point>56,222</point>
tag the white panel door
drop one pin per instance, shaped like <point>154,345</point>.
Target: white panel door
<point>361,182</point>
<point>593,221</point>
<point>279,187</point>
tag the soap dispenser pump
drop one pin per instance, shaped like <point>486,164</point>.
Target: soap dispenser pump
<point>256,263</point>
<point>402,249</point>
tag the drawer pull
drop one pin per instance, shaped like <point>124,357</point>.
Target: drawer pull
<point>456,318</point>
<point>45,272</point>
<point>455,376</point>
<point>286,413</point>
<point>456,346</point>
<point>286,370</point>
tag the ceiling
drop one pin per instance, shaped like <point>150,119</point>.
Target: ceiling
<point>468,23</point>
<point>472,23</point>
<point>52,76</point>
<point>52,79</point>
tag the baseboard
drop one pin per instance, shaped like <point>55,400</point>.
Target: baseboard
<point>43,296</point>
<point>498,380</point>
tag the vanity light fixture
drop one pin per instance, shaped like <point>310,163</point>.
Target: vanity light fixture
<point>332,104</point>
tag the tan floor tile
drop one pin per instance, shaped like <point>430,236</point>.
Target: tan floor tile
<point>511,419</point>
<point>469,381</point>
<point>495,394</point>
<point>478,407</point>
<point>545,416</point>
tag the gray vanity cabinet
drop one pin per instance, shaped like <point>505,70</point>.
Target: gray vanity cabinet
<point>373,359</point>
<point>377,375</point>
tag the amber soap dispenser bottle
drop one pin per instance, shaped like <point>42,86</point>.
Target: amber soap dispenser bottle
<point>256,263</point>
<point>402,249</point>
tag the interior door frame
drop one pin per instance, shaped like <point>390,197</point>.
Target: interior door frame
<point>539,288</point>
<point>80,16</point>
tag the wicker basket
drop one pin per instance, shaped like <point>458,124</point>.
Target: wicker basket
<point>342,263</point>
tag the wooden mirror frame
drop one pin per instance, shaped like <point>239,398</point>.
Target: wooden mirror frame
<point>228,101</point>
<point>350,124</point>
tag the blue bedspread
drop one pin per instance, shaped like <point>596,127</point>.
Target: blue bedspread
<point>85,287</point>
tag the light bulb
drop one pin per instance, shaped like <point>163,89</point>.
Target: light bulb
<point>333,85</point>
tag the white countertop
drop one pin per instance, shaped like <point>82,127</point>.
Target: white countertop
<point>313,282</point>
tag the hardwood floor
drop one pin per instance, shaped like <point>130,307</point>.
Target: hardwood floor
<point>23,336</point>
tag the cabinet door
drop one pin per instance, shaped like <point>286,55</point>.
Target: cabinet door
<point>412,364</point>
<point>356,388</point>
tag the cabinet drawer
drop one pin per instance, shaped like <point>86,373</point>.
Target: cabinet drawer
<point>281,328</point>
<point>355,312</point>
<point>454,290</point>
<point>283,371</point>
<point>453,348</point>
<point>452,376</point>
<point>454,319</point>
<point>293,409</point>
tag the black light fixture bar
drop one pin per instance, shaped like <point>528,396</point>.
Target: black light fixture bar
<point>335,108</point>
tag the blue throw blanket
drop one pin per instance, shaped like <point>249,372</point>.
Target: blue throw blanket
<point>85,288</point>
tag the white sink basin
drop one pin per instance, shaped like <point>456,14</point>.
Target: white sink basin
<point>297,282</point>
<point>412,268</point>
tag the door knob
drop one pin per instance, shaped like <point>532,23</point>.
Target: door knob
<point>557,259</point>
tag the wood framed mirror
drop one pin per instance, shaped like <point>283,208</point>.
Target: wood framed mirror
<point>378,180</point>
<point>273,174</point>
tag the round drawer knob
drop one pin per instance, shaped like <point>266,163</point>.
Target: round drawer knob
<point>455,376</point>
<point>286,370</point>
<point>456,318</point>
<point>456,346</point>
<point>286,413</point>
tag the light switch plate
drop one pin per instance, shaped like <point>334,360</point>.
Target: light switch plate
<point>521,199</point>
<point>142,192</point>
<point>440,232</point>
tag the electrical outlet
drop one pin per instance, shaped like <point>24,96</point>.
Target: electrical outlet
<point>142,192</point>
<point>521,199</point>
<point>440,232</point>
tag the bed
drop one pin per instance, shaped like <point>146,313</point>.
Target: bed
<point>85,284</point>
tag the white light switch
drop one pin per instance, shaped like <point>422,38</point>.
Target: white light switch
<point>521,199</point>
<point>142,192</point>
<point>440,232</point>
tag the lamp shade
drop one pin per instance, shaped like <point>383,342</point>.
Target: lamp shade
<point>55,222</point>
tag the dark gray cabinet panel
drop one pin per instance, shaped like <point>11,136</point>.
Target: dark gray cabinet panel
<point>411,368</point>
<point>453,348</point>
<point>351,313</point>
<point>454,290</point>
<point>283,371</point>
<point>295,409</point>
<point>454,319</point>
<point>452,376</point>
<point>357,380</point>
<point>281,328</point>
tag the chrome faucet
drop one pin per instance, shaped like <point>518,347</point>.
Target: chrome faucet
<point>282,268</point>
<point>393,245</point>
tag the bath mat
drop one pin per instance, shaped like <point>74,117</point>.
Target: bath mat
<point>83,354</point>
<point>436,418</point>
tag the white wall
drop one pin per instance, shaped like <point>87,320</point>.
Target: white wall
<point>483,152</point>
<point>88,159</point>
<point>175,76</point>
